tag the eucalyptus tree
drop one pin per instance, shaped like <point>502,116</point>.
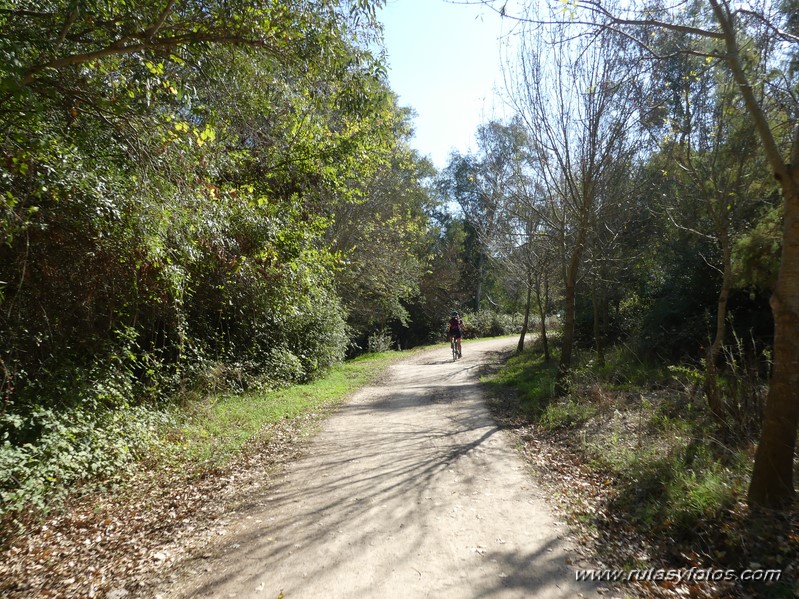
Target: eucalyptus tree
<point>612,248</point>
<point>514,239</point>
<point>526,251</point>
<point>723,34</point>
<point>717,170</point>
<point>382,234</point>
<point>523,240</point>
<point>480,183</point>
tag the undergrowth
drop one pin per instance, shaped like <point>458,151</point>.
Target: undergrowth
<point>219,428</point>
<point>97,445</point>
<point>661,465</point>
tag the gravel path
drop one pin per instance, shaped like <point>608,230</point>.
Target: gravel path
<point>410,490</point>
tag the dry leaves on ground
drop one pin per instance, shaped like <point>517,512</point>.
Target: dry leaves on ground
<point>116,544</point>
<point>603,538</point>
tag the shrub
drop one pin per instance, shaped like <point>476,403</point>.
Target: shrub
<point>568,414</point>
<point>487,323</point>
<point>379,342</point>
<point>76,445</point>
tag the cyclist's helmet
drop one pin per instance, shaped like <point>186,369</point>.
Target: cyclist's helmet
<point>454,312</point>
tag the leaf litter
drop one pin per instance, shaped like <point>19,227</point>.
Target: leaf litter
<point>120,543</point>
<point>602,538</point>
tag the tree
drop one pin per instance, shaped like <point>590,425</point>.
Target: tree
<point>721,35</point>
<point>716,167</point>
<point>169,175</point>
<point>171,169</point>
<point>520,240</point>
<point>526,250</point>
<point>479,184</point>
<point>581,137</point>
<point>382,233</point>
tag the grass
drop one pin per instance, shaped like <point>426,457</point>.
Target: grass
<point>657,447</point>
<point>654,470</point>
<point>86,452</point>
<point>531,378</point>
<point>222,427</point>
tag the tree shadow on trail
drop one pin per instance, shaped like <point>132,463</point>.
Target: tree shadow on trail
<point>403,495</point>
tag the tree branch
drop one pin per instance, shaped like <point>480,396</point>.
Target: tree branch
<point>789,37</point>
<point>119,48</point>
<point>596,7</point>
<point>773,154</point>
<point>156,27</point>
<point>67,26</point>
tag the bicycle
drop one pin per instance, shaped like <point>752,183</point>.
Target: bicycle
<point>454,346</point>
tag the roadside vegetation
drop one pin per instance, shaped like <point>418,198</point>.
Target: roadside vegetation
<point>115,525</point>
<point>205,208</point>
<point>219,430</point>
<point>643,473</point>
<point>202,435</point>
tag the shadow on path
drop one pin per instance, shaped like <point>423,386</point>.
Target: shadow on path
<point>410,490</point>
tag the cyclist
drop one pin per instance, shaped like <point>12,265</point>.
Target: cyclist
<point>455,331</point>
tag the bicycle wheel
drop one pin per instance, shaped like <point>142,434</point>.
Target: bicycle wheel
<point>454,350</point>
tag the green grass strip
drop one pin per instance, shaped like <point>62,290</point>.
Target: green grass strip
<point>531,377</point>
<point>218,429</point>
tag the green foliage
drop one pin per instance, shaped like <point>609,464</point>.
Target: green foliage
<point>167,212</point>
<point>620,369</point>
<point>532,378</point>
<point>670,475</point>
<point>441,285</point>
<point>379,342</point>
<point>220,428</point>
<point>678,311</point>
<point>95,444</point>
<point>566,414</point>
<point>756,252</point>
<point>487,323</point>
<point>687,375</point>
<point>72,446</point>
<point>383,236</point>
<point>679,490</point>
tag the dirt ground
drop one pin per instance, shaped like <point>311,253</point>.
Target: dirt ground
<point>409,490</point>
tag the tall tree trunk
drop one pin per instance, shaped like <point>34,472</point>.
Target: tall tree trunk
<point>712,391</point>
<point>561,383</point>
<point>478,296</point>
<point>772,477</point>
<point>600,350</point>
<point>526,323</point>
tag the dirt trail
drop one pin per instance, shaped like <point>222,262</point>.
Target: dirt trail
<point>410,490</point>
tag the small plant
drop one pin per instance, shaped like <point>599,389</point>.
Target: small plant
<point>487,323</point>
<point>568,414</point>
<point>691,378</point>
<point>744,389</point>
<point>532,377</point>
<point>379,342</point>
<point>76,445</point>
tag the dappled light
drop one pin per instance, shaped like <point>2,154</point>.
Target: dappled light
<point>257,338</point>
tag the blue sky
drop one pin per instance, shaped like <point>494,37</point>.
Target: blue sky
<point>444,63</point>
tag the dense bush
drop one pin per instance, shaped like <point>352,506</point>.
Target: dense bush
<point>487,323</point>
<point>89,443</point>
<point>167,218</point>
<point>380,341</point>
